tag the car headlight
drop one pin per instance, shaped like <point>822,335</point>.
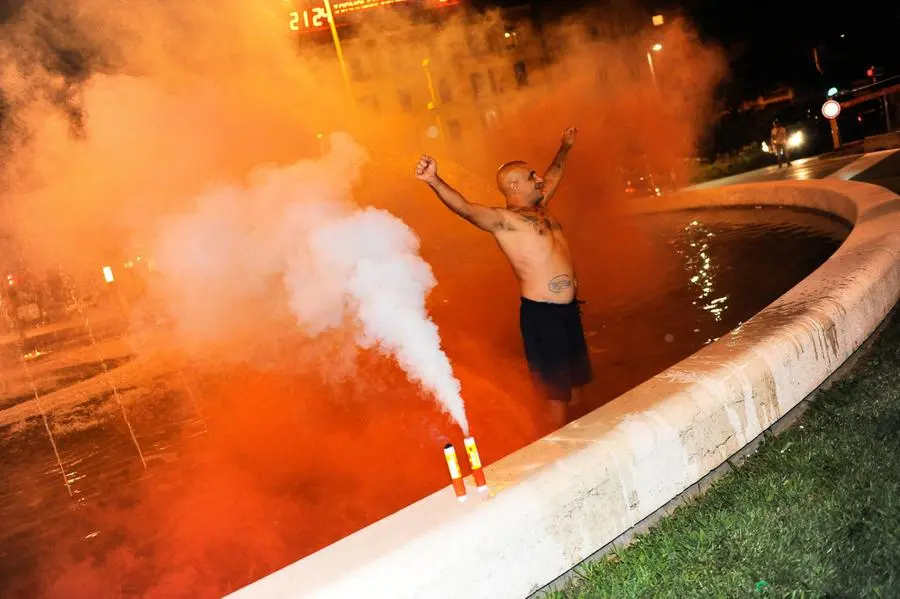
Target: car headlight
<point>795,140</point>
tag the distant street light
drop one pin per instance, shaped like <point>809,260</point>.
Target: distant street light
<point>657,47</point>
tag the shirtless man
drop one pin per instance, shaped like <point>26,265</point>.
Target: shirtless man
<point>533,241</point>
<point>778,139</point>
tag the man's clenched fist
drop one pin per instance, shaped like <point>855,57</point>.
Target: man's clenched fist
<point>426,169</point>
<point>568,137</point>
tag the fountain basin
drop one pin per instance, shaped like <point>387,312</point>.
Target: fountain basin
<point>556,501</point>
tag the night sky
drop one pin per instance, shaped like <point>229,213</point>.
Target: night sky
<point>770,42</point>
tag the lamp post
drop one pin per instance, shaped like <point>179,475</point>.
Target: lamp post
<point>432,105</point>
<point>654,48</point>
<point>338,49</point>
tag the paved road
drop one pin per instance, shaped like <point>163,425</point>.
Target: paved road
<point>885,173</point>
<point>881,168</point>
<point>805,168</point>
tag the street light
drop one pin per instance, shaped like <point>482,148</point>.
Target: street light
<point>432,106</point>
<point>654,48</point>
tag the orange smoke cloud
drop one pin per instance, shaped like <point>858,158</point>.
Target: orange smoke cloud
<point>174,102</point>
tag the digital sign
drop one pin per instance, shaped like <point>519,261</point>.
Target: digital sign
<point>313,15</point>
<point>340,8</point>
<point>308,19</point>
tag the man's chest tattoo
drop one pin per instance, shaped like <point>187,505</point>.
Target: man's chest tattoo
<point>541,224</point>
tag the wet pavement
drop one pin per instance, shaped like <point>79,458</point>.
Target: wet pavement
<point>885,173</point>
<point>801,170</point>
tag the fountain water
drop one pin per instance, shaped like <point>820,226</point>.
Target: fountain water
<point>79,306</point>
<point>20,345</point>
<point>200,416</point>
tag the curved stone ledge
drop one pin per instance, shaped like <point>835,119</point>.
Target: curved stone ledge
<point>555,502</point>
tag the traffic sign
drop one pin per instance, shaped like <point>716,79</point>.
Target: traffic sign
<point>831,109</point>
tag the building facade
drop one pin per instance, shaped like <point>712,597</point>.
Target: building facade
<point>442,67</point>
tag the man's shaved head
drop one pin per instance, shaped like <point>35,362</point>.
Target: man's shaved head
<point>519,184</point>
<point>507,172</point>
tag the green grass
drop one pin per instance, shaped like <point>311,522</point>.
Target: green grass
<point>746,159</point>
<point>815,513</point>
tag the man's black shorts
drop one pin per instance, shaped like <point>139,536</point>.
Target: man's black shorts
<point>555,346</point>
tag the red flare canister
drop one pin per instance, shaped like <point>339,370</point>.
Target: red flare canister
<point>475,463</point>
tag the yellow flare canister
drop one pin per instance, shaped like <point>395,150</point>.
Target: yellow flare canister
<point>459,487</point>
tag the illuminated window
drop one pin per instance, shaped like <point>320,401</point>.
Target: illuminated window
<point>356,69</point>
<point>602,75</point>
<point>406,102</point>
<point>455,130</point>
<point>476,78</point>
<point>492,39</point>
<point>399,64</point>
<point>494,87</point>
<point>374,58</point>
<point>371,102</point>
<point>521,73</point>
<point>489,119</point>
<point>445,92</point>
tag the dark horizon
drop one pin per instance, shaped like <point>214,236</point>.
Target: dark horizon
<point>770,44</point>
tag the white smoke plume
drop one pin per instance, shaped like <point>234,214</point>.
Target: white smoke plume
<point>297,227</point>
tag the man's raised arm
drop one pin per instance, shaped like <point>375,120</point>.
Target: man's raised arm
<point>554,172</point>
<point>483,217</point>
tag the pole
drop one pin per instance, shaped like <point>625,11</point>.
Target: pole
<point>652,70</point>
<point>433,104</point>
<point>338,49</point>
<point>835,134</point>
<point>884,103</point>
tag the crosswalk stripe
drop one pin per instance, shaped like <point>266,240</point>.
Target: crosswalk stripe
<point>863,163</point>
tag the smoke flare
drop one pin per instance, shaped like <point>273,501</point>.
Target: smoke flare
<point>336,262</point>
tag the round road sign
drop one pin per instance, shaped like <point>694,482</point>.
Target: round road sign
<point>831,109</point>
